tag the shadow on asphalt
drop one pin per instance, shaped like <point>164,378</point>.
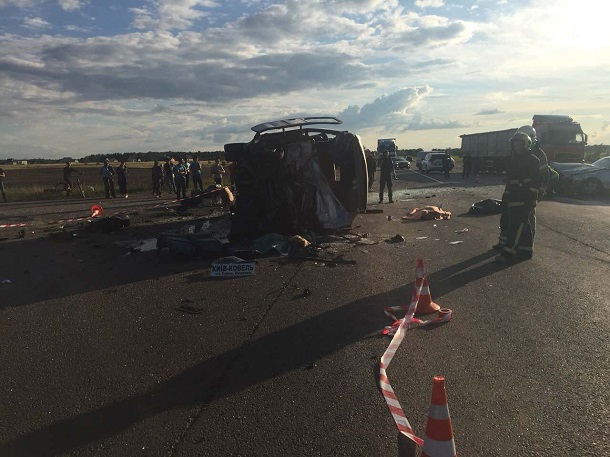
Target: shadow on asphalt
<point>252,363</point>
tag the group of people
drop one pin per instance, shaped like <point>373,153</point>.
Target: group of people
<point>176,174</point>
<point>108,174</point>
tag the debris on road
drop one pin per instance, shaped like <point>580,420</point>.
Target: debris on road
<point>456,242</point>
<point>486,207</point>
<point>5,281</point>
<point>232,267</point>
<point>189,309</point>
<point>106,224</point>
<point>464,230</point>
<point>396,239</point>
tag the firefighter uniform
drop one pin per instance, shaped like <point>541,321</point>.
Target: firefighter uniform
<point>523,182</point>
<point>545,175</point>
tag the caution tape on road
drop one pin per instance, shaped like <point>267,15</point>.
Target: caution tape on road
<point>398,330</point>
<point>95,215</point>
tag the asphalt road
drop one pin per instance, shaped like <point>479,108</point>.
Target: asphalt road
<point>96,360</point>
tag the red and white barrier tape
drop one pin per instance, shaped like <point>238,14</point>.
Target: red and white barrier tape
<point>398,329</point>
<point>13,225</point>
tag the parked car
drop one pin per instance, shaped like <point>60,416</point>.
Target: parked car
<point>434,162</point>
<point>586,178</point>
<point>400,162</point>
<point>297,176</point>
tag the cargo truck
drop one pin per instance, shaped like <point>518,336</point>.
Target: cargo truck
<point>387,144</point>
<point>560,138</point>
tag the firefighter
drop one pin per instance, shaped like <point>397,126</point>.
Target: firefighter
<point>523,183</point>
<point>385,176</point>
<point>544,169</point>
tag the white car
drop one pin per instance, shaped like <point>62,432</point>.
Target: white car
<point>587,178</point>
<point>434,162</point>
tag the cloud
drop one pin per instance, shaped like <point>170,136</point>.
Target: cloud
<point>69,5</point>
<point>19,3</point>
<point>429,3</point>
<point>389,109</point>
<point>35,23</point>
<point>172,14</point>
<point>489,112</point>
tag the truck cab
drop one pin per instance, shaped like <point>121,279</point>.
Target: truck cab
<point>560,138</point>
<point>387,144</point>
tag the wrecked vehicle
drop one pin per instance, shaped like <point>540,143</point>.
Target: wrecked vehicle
<point>295,177</point>
<point>590,179</point>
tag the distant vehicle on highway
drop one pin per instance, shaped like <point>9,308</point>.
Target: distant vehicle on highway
<point>400,162</point>
<point>586,178</point>
<point>434,162</point>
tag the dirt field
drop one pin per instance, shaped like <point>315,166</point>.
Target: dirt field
<point>37,182</point>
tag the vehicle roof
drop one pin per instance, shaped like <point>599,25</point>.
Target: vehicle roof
<point>295,122</point>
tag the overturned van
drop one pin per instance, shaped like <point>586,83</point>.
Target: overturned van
<point>295,176</point>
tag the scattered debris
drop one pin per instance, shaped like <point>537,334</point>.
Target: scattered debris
<point>464,230</point>
<point>421,238</point>
<point>456,242</point>
<point>106,224</point>
<point>149,244</point>
<point>373,211</point>
<point>232,266</point>
<point>486,207</point>
<point>396,239</point>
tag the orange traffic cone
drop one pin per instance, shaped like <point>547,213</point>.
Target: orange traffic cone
<point>96,210</point>
<point>425,305</point>
<point>438,441</point>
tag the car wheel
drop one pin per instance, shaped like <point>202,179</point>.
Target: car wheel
<point>591,186</point>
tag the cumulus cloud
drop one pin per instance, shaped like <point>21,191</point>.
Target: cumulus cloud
<point>69,5</point>
<point>19,3</point>
<point>34,23</point>
<point>385,110</point>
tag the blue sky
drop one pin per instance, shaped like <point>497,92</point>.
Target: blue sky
<point>79,77</point>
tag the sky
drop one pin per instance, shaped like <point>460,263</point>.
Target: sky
<point>80,77</point>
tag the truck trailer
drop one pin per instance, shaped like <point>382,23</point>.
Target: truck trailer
<point>560,138</point>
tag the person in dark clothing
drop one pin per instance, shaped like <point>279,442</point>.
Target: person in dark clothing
<point>217,172</point>
<point>157,179</point>
<point>467,165</point>
<point>385,176</point>
<point>2,176</point>
<point>69,170</point>
<point>523,182</point>
<point>168,175</point>
<point>371,166</point>
<point>121,173</point>
<point>447,164</point>
<point>107,174</point>
<point>180,178</point>
<point>195,171</point>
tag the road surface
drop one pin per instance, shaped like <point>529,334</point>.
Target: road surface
<point>97,360</point>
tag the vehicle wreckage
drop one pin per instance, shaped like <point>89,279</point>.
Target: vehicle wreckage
<point>296,177</point>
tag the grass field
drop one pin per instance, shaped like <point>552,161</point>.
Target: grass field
<point>37,182</point>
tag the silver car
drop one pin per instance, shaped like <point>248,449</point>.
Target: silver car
<point>586,178</point>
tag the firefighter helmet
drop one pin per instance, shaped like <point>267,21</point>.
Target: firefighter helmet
<point>521,136</point>
<point>529,131</point>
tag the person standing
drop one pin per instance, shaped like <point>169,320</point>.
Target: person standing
<point>544,169</point>
<point>232,173</point>
<point>371,166</point>
<point>523,183</point>
<point>187,167</point>
<point>2,176</point>
<point>157,179</point>
<point>180,178</point>
<point>447,164</point>
<point>385,176</point>
<point>467,165</point>
<point>168,175</point>
<point>107,175</point>
<point>69,170</point>
<point>121,173</point>
<point>217,172</point>
<point>195,169</point>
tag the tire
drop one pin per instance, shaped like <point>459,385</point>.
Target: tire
<point>591,186</point>
<point>60,189</point>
